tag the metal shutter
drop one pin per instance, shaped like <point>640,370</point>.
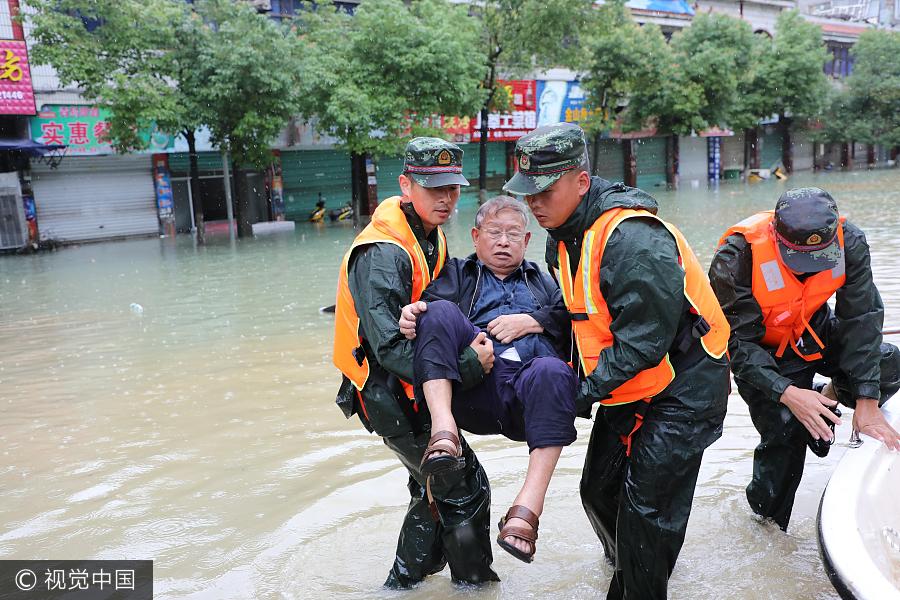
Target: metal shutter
<point>770,147</point>
<point>609,162</point>
<point>307,173</point>
<point>95,198</point>
<point>651,161</point>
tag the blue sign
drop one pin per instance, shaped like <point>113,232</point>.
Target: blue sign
<point>714,158</point>
<point>165,201</point>
<point>560,102</point>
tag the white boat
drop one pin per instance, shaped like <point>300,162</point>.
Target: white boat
<point>859,520</point>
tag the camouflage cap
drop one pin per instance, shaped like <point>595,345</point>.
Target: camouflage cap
<point>806,223</point>
<point>544,155</point>
<point>433,162</point>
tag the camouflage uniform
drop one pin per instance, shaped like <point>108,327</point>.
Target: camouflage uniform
<point>455,529</point>
<point>637,505</point>
<point>860,365</point>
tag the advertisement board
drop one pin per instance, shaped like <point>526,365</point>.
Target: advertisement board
<point>85,130</point>
<point>16,92</point>
<point>522,119</point>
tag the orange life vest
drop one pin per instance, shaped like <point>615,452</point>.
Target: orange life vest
<point>591,318</point>
<point>786,302</point>
<point>388,225</point>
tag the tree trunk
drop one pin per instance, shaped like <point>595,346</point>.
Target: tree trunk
<point>482,157</point>
<point>242,202</point>
<point>870,156</point>
<point>672,160</point>
<point>846,157</point>
<point>196,200</point>
<point>630,163</point>
<point>894,152</point>
<point>787,147</point>
<point>359,187</point>
<point>753,148</point>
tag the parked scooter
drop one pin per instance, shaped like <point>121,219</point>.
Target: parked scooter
<point>341,214</point>
<point>318,215</point>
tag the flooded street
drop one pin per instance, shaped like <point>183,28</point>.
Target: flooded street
<point>166,402</point>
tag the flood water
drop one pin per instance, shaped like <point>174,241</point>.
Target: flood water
<point>198,429</point>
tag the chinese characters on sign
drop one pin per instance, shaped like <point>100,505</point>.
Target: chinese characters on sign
<point>84,129</point>
<point>16,92</point>
<point>508,127</point>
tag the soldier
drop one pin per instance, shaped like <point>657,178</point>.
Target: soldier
<point>773,274</point>
<point>387,267</point>
<point>650,340</point>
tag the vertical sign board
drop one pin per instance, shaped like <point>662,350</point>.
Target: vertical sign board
<point>165,200</point>
<point>714,158</point>
<point>276,186</point>
<point>16,92</point>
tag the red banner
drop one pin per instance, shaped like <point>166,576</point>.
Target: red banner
<point>16,93</point>
<point>522,119</point>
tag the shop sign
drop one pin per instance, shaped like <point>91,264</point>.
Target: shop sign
<point>510,126</point>
<point>16,92</point>
<point>85,130</point>
<point>561,102</point>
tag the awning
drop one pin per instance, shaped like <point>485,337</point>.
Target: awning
<point>28,147</point>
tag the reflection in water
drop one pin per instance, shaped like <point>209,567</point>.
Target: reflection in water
<point>198,429</point>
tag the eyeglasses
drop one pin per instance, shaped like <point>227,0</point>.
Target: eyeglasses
<point>513,236</point>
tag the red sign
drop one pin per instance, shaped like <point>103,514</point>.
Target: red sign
<point>510,126</point>
<point>16,93</point>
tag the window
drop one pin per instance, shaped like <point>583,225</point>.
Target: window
<point>840,63</point>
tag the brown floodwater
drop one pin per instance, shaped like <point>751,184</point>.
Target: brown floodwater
<point>166,402</point>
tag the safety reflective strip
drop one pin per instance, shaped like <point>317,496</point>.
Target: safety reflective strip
<point>566,276</point>
<point>771,273</point>
<point>587,253</point>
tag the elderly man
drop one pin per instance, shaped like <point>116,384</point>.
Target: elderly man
<point>530,393</point>
<point>388,265</point>
<point>774,273</point>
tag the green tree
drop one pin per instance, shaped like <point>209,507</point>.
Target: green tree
<point>518,37</point>
<point>627,77</point>
<point>168,63</point>
<point>788,80</point>
<point>377,78</point>
<point>869,109</point>
<point>713,55</point>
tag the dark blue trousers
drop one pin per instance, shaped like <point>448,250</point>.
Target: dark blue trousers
<point>532,402</point>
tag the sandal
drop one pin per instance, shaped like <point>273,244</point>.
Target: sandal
<point>517,511</point>
<point>438,458</point>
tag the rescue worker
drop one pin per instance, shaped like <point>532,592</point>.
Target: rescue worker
<point>387,267</point>
<point>773,274</point>
<point>650,343</point>
<point>529,395</point>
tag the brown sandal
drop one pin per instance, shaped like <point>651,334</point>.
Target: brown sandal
<point>446,460</point>
<point>517,511</point>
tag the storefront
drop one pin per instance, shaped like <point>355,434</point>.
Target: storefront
<point>650,153</point>
<point>95,198</point>
<point>93,194</point>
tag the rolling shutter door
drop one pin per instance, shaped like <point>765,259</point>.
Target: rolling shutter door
<point>307,173</point>
<point>95,198</point>
<point>609,162</point>
<point>770,150</point>
<point>651,161</point>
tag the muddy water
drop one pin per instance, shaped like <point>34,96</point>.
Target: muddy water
<point>198,428</point>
